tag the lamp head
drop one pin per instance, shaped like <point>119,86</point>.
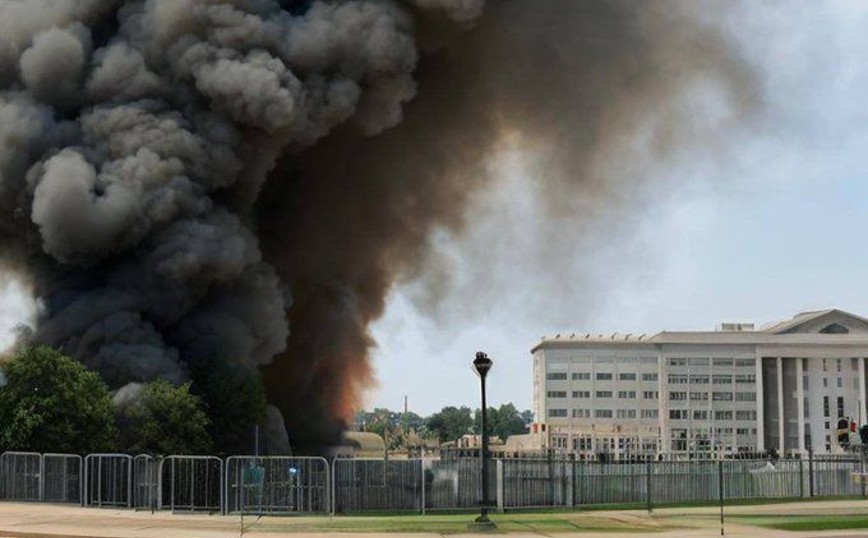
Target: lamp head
<point>482,364</point>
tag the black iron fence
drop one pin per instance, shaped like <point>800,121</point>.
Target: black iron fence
<point>297,485</point>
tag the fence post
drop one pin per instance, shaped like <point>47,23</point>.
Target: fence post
<point>810,473</point>
<point>422,474</point>
<point>499,474</point>
<point>42,478</point>
<point>648,484</point>
<point>801,477</point>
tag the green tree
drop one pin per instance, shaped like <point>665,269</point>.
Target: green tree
<point>235,401</point>
<point>163,419</point>
<point>450,423</point>
<point>503,421</point>
<point>51,403</point>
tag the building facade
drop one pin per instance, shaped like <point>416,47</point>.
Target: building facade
<point>737,389</point>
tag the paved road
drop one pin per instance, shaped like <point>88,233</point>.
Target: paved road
<point>43,521</point>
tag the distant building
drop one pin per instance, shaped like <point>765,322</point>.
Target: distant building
<point>736,389</point>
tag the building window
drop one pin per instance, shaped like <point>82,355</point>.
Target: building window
<point>627,377</point>
<point>723,380</point>
<point>602,413</point>
<point>839,364</point>
<point>805,382</point>
<point>650,395</point>
<point>678,396</point>
<point>722,362</point>
<point>626,413</point>
<point>702,361</point>
<point>677,379</point>
<point>677,362</point>
<point>840,407</point>
<point>854,364</point>
<point>603,394</point>
<point>825,382</point>
<point>699,396</point>
<point>556,413</point>
<point>604,376</point>
<point>824,365</point>
<point>582,376</point>
<point>699,380</point>
<point>581,394</point>
<point>581,413</point>
<point>649,377</point>
<point>745,378</point>
<point>627,394</point>
<point>556,376</point>
<point>650,413</point>
<point>745,362</point>
<point>700,414</point>
<point>840,383</point>
<point>745,396</point>
<point>723,415</point>
<point>582,444</point>
<point>559,441</point>
<point>556,394</point>
<point>745,415</point>
<point>807,407</point>
<point>678,414</point>
<point>722,396</point>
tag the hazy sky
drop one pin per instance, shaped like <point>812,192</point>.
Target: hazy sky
<point>773,231</point>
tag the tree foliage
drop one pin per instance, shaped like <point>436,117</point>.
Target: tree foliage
<point>163,419</point>
<point>503,421</point>
<point>450,423</point>
<point>51,403</point>
<point>235,400</point>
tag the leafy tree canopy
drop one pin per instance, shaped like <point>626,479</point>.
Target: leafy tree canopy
<point>450,423</point>
<point>163,419</point>
<point>51,403</point>
<point>503,421</point>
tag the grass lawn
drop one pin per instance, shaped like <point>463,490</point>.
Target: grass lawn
<point>454,524</point>
<point>807,523</point>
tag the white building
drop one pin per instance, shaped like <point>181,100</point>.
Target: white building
<point>782,386</point>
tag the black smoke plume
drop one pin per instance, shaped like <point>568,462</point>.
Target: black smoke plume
<point>227,190</point>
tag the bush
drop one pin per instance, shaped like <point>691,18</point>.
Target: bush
<point>51,403</point>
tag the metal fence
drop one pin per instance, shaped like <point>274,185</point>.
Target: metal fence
<point>296,485</point>
<point>61,478</point>
<point>108,480</point>
<point>277,485</point>
<point>191,483</point>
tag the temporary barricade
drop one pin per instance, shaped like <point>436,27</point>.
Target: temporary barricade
<point>277,485</point>
<point>61,478</point>
<point>21,476</point>
<point>191,483</point>
<point>108,480</point>
<point>145,482</point>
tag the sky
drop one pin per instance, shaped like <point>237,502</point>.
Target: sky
<point>774,231</point>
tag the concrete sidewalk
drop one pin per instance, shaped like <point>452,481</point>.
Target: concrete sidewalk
<point>44,521</point>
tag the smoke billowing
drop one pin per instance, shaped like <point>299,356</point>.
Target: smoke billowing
<point>226,190</point>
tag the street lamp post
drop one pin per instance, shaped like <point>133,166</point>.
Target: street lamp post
<point>482,364</point>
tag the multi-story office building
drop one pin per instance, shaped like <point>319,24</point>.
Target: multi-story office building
<point>736,389</point>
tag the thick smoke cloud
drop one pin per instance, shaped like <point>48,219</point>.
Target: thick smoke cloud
<point>184,182</point>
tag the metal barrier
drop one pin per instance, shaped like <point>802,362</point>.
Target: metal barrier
<point>530,483</point>
<point>277,485</point>
<point>145,482</point>
<point>21,474</point>
<point>297,485</point>
<point>369,484</point>
<point>456,483</point>
<point>61,478</point>
<point>191,483</point>
<point>108,480</point>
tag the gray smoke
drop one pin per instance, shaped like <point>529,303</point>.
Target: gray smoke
<point>137,136</point>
